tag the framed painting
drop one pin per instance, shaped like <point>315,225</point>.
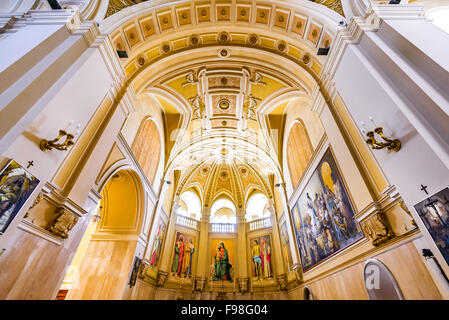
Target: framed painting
<point>157,244</point>
<point>222,256</point>
<point>323,215</point>
<point>184,250</point>
<point>16,186</point>
<point>434,213</point>
<point>285,241</point>
<point>261,265</point>
<point>134,271</point>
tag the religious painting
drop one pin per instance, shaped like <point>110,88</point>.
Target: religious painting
<point>183,254</point>
<point>323,215</point>
<point>222,253</point>
<point>16,186</point>
<point>157,244</point>
<point>434,213</point>
<point>135,270</point>
<point>285,241</point>
<point>261,257</point>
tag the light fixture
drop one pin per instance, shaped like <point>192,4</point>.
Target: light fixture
<point>47,145</point>
<point>390,144</point>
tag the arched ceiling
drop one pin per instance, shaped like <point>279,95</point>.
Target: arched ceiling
<point>115,6</point>
<point>223,66</point>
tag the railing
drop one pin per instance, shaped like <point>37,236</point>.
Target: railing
<point>260,224</point>
<point>186,221</point>
<point>222,227</point>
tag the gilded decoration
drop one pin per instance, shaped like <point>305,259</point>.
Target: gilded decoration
<point>377,228</point>
<point>64,222</point>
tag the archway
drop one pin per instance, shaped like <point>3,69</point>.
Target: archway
<point>102,264</point>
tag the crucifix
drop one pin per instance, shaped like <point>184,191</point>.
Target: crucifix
<point>424,188</point>
<point>30,163</point>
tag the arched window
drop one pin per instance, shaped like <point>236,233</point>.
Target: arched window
<point>299,151</point>
<point>440,18</point>
<point>147,148</point>
<point>257,207</point>
<point>190,205</point>
<point>223,211</point>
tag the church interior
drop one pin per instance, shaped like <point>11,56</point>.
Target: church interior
<point>224,150</point>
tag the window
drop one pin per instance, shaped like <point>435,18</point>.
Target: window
<point>223,211</point>
<point>257,207</point>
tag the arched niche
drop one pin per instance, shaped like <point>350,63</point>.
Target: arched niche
<point>147,148</point>
<point>121,208</point>
<point>299,151</point>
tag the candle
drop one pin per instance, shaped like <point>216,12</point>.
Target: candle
<point>68,125</point>
<point>363,127</point>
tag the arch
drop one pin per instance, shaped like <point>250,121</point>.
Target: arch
<point>192,203</point>
<point>147,148</point>
<point>299,151</point>
<point>116,227</point>
<point>121,203</point>
<point>223,210</point>
<point>256,206</point>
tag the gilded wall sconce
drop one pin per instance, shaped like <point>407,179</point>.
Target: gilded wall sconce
<point>390,144</point>
<point>47,145</point>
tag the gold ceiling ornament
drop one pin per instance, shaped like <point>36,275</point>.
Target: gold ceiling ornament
<point>166,48</point>
<point>332,4</point>
<point>224,104</point>
<point>258,79</point>
<point>223,37</point>
<point>306,59</point>
<point>281,46</point>
<point>198,107</point>
<point>249,107</point>
<point>253,39</point>
<point>191,79</point>
<point>194,40</point>
<point>115,6</point>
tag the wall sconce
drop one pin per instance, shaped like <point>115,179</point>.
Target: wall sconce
<point>392,145</point>
<point>47,145</point>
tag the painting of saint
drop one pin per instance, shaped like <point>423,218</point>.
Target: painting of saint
<point>323,215</point>
<point>16,186</point>
<point>222,259</point>
<point>261,257</point>
<point>285,241</point>
<point>183,252</point>
<point>434,213</point>
<point>157,245</point>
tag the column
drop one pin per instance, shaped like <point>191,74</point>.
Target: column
<point>202,269</point>
<point>242,252</point>
<point>169,241</point>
